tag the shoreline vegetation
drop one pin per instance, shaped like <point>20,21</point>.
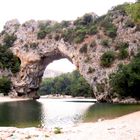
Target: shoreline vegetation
<point>121,128</point>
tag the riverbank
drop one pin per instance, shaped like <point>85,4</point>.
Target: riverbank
<point>9,99</point>
<point>122,128</point>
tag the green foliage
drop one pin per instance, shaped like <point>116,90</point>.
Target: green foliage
<point>41,34</point>
<point>126,82</point>
<point>85,20</point>
<point>8,60</point>
<point>9,40</point>
<point>105,42</point>
<point>5,85</point>
<point>91,70</point>
<point>107,59</point>
<point>122,45</point>
<point>109,28</point>
<point>93,30</point>
<point>100,87</point>
<point>66,84</point>
<point>83,49</point>
<point>123,53</point>
<point>121,8</point>
<point>133,11</point>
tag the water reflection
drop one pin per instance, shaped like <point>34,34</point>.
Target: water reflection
<point>57,112</point>
<point>20,114</point>
<point>108,111</point>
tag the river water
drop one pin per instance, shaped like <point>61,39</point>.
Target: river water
<point>58,112</point>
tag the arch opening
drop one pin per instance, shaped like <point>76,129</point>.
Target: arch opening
<point>61,79</point>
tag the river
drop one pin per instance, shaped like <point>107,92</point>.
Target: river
<point>51,113</point>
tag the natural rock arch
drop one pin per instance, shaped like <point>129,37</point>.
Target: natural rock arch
<point>36,53</point>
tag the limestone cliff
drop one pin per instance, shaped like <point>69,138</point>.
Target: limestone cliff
<point>40,42</point>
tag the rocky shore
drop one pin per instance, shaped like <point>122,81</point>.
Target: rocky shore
<point>122,128</point>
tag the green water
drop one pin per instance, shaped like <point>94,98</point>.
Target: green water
<point>108,111</point>
<point>58,112</point>
<point>21,114</point>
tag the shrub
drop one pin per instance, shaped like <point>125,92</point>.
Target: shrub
<point>126,82</point>
<point>9,40</point>
<point>83,49</point>
<point>33,45</point>
<point>79,39</point>
<point>68,35</point>
<point>91,70</point>
<point>107,59</point>
<point>65,24</point>
<point>111,31</point>
<point>8,60</point>
<point>41,34</point>
<point>122,45</point>
<point>121,8</point>
<point>133,11</point>
<point>93,30</point>
<point>79,34</point>
<point>85,20</point>
<point>5,85</point>
<point>105,43</point>
<point>109,28</point>
<point>123,53</point>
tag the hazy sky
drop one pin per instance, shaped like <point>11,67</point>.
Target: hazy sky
<point>52,9</point>
<point>63,65</point>
<point>55,10</point>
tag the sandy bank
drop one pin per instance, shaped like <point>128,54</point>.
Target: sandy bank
<point>9,99</point>
<point>123,128</point>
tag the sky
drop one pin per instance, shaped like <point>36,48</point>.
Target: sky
<point>58,10</point>
<point>24,10</point>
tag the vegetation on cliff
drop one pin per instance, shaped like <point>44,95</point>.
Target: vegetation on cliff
<point>126,82</point>
<point>5,85</point>
<point>66,84</point>
<point>8,60</point>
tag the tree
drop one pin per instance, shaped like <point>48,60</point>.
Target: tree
<point>126,82</point>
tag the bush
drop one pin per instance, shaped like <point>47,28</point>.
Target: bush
<point>41,34</point>
<point>85,20</point>
<point>126,82</point>
<point>105,43</point>
<point>109,28</point>
<point>93,30</point>
<point>133,11</point>
<point>107,59</point>
<point>9,40</point>
<point>111,31</point>
<point>5,85</point>
<point>122,45</point>
<point>123,53</point>
<point>8,60</point>
<point>83,49</point>
<point>91,70</point>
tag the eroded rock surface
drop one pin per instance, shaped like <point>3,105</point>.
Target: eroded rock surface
<point>35,54</point>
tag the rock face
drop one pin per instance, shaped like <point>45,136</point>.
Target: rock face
<point>35,54</point>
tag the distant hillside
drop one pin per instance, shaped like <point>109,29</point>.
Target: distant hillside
<point>51,73</point>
